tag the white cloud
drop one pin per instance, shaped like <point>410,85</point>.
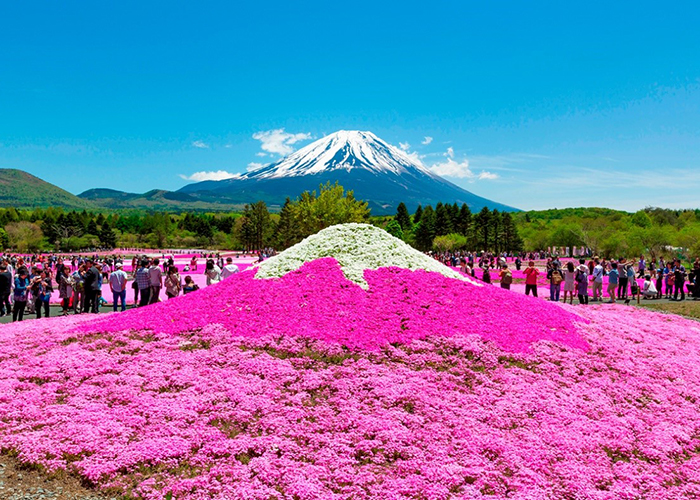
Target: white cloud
<point>450,152</point>
<point>460,170</point>
<point>451,168</point>
<point>214,175</point>
<point>260,153</point>
<point>200,144</point>
<point>228,146</point>
<point>405,146</point>
<point>278,141</point>
<point>427,140</point>
<point>488,175</point>
<point>255,166</point>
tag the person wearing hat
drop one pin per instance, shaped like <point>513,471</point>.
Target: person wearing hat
<point>117,283</point>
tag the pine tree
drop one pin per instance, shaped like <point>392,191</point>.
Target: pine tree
<point>425,230</point>
<point>512,242</point>
<point>256,226</point>
<point>418,214</point>
<point>464,221</point>
<point>286,233</point>
<point>108,238</point>
<point>92,227</point>
<point>403,217</point>
<point>443,221</point>
<point>496,243</point>
<point>482,228</point>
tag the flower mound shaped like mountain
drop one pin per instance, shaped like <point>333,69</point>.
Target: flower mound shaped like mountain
<point>310,386</point>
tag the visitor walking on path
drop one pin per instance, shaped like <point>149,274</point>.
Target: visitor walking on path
<point>598,273</point>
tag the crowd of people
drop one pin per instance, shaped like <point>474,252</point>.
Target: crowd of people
<point>27,283</point>
<point>661,279</point>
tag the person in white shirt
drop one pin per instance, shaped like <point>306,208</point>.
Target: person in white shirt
<point>649,289</point>
<point>117,283</point>
<point>598,273</point>
<point>212,272</point>
<point>229,269</point>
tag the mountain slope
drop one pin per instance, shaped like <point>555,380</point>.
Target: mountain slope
<point>376,171</point>
<point>156,199</point>
<point>22,190</point>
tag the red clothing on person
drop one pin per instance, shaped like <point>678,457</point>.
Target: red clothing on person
<point>531,275</point>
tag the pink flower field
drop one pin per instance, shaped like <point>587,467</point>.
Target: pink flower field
<point>309,386</point>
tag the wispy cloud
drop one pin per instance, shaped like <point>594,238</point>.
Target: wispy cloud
<point>450,152</point>
<point>214,175</point>
<point>427,140</point>
<point>260,153</point>
<point>278,141</point>
<point>405,146</point>
<point>200,144</point>
<point>488,175</point>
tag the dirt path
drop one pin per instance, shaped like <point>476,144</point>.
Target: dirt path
<point>20,482</point>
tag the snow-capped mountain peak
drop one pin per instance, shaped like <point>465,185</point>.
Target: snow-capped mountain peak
<point>343,150</point>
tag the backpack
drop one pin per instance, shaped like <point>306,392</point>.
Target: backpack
<point>556,278</point>
<point>507,278</point>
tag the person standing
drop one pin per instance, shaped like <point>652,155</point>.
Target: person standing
<point>143,282</point>
<point>582,284</point>
<point>117,283</point>
<point>156,277</point>
<point>598,273</point>
<point>5,290</point>
<point>531,274</point>
<point>613,281</point>
<point>91,285</point>
<point>679,281</point>
<point>555,279</point>
<point>65,289</point>
<point>20,294</point>
<point>642,266</point>
<point>569,282</point>
<point>622,279</point>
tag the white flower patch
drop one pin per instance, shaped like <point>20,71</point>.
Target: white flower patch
<point>356,247</point>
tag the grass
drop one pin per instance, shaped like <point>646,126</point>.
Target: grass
<point>688,308</point>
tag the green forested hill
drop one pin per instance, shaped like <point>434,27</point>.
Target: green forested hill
<point>22,190</point>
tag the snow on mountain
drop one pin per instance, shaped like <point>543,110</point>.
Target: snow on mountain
<point>377,172</point>
<point>344,150</point>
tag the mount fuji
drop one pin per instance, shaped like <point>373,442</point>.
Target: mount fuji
<point>376,171</point>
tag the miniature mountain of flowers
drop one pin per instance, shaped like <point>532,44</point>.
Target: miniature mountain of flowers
<point>307,386</point>
<point>356,247</point>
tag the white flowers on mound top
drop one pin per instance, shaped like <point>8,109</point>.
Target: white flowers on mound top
<point>356,247</point>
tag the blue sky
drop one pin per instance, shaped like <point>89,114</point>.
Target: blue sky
<point>534,104</point>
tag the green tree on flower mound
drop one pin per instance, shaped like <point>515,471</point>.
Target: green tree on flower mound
<point>356,247</point>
